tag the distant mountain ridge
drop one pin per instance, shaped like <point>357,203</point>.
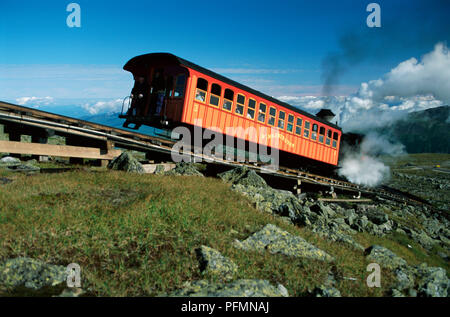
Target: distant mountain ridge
<point>426,131</point>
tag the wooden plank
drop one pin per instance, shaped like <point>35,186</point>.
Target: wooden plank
<point>56,150</point>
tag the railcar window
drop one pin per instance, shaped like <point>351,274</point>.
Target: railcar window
<point>335,139</point>
<point>240,102</point>
<point>179,86</point>
<point>262,112</point>
<point>202,87</point>
<point>281,118</point>
<point>306,129</point>
<point>328,140</point>
<point>228,99</point>
<point>321,134</point>
<point>216,90</point>
<point>272,115</point>
<point>251,109</point>
<point>298,127</point>
<point>290,125</point>
<point>314,132</point>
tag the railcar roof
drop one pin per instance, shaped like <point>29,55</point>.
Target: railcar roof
<point>138,60</point>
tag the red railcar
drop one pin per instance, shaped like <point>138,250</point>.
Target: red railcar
<point>171,91</point>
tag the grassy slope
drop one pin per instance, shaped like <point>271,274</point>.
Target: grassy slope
<point>136,234</point>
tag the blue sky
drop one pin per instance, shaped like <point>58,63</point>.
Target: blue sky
<point>278,47</point>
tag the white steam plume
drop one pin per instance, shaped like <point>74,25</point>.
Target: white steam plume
<point>362,166</point>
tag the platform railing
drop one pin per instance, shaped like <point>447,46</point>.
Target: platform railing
<point>126,103</point>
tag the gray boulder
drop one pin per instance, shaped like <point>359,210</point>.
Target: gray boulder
<point>384,257</point>
<point>422,280</point>
<point>423,239</point>
<point>277,241</point>
<point>432,281</point>
<point>244,176</point>
<point>376,216</point>
<point>326,291</point>
<point>267,199</point>
<point>8,160</point>
<point>22,274</point>
<point>212,262</point>
<point>184,169</point>
<point>126,162</point>
<point>238,288</point>
<point>25,168</point>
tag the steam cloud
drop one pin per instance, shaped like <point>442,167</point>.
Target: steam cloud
<point>412,85</point>
<point>362,166</point>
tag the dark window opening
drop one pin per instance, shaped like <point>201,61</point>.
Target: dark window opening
<point>251,109</point>
<point>216,90</point>
<point>290,125</point>
<point>202,87</point>
<point>281,117</point>
<point>240,102</point>
<point>262,112</point>
<point>321,134</point>
<point>314,132</point>
<point>228,99</point>
<point>306,129</point>
<point>272,115</point>
<point>335,138</point>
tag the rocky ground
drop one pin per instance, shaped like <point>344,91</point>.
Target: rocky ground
<point>423,175</point>
<point>342,223</point>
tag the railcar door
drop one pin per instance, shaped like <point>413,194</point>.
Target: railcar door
<point>173,107</point>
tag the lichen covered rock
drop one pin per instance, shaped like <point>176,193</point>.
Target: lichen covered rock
<point>326,291</point>
<point>238,288</point>
<point>126,162</point>
<point>421,280</point>
<point>277,241</point>
<point>244,176</point>
<point>184,168</point>
<point>30,274</point>
<point>212,262</point>
<point>384,257</point>
<point>8,161</point>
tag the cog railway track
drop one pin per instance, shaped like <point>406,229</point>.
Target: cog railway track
<point>96,141</point>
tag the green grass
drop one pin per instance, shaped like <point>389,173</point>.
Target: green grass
<point>135,235</point>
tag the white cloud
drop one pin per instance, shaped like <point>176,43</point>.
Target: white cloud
<point>411,86</point>
<point>34,102</point>
<point>430,76</point>
<point>109,106</point>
